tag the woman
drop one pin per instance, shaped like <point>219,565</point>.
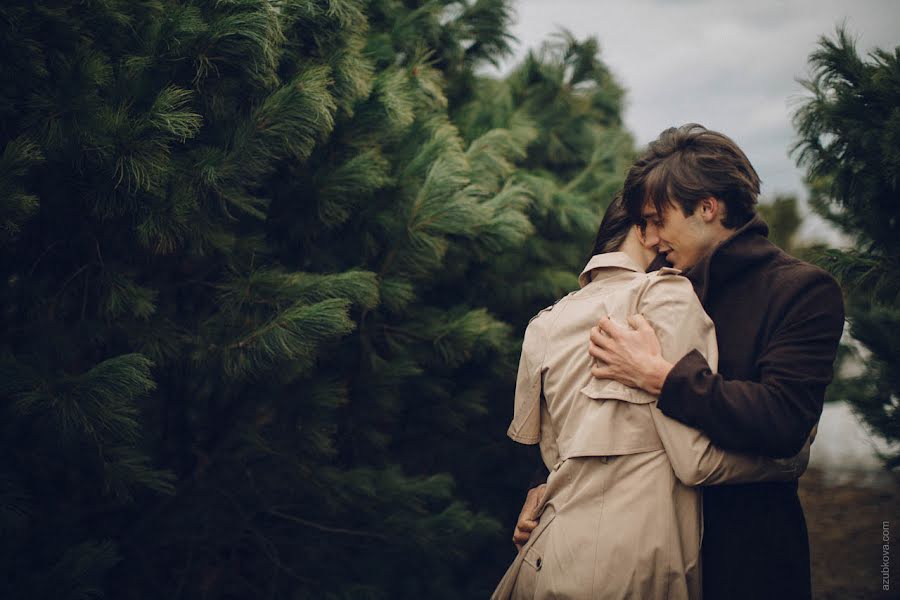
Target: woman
<point>620,517</point>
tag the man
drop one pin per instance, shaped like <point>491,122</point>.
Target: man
<point>778,322</point>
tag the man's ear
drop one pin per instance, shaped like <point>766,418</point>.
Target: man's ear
<point>711,209</point>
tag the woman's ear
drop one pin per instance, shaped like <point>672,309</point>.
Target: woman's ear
<point>639,232</point>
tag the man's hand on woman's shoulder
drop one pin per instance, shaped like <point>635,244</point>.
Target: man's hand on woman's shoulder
<point>630,355</point>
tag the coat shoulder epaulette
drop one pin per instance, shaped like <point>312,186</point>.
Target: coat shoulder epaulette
<point>549,308</point>
<point>667,271</point>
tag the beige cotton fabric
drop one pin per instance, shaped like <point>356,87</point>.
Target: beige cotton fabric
<point>618,518</point>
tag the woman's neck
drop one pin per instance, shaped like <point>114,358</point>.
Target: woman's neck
<point>635,251</point>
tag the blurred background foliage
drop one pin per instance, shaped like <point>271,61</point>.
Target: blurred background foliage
<point>266,266</point>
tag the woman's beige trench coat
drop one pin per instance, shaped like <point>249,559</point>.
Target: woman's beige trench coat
<point>619,518</point>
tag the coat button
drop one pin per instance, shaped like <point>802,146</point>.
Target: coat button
<point>538,564</point>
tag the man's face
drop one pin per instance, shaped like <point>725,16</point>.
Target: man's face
<point>683,240</point>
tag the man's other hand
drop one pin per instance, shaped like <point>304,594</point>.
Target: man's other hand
<point>528,518</point>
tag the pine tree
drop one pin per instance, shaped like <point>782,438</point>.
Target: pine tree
<point>848,139</point>
<point>565,105</point>
<point>264,282</point>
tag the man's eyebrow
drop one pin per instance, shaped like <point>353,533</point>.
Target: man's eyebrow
<point>648,215</point>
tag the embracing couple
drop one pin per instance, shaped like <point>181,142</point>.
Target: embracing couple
<point>674,438</point>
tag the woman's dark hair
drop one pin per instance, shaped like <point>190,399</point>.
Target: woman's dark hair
<point>614,227</point>
<point>688,164</point>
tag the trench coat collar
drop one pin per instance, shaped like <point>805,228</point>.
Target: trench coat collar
<point>607,260</point>
<point>747,247</point>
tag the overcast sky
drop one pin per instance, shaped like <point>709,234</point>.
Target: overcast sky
<point>727,64</point>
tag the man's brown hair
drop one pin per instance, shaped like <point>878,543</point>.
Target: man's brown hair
<point>687,164</point>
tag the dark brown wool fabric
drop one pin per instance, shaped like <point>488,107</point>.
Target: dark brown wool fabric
<point>778,322</point>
